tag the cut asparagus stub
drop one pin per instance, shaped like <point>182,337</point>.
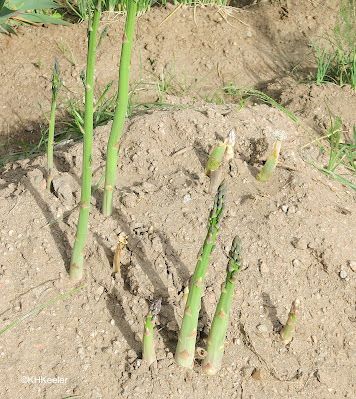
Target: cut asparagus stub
<point>187,335</point>
<point>230,144</point>
<point>271,163</point>
<point>148,350</point>
<point>216,157</point>
<point>215,347</point>
<point>288,330</point>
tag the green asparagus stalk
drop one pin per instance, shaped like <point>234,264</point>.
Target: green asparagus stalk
<point>287,332</point>
<point>56,85</point>
<point>215,346</point>
<point>148,353</point>
<point>76,266</point>
<point>187,335</point>
<point>271,163</point>
<point>121,108</point>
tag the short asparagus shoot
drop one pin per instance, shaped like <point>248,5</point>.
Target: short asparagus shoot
<point>76,266</point>
<point>148,352</point>
<point>56,85</point>
<point>215,344</point>
<point>214,167</point>
<point>121,108</point>
<point>288,330</point>
<point>188,332</point>
<point>271,163</point>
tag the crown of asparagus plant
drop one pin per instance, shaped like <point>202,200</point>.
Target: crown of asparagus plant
<point>148,352</point>
<point>56,85</point>
<point>215,347</point>
<point>76,266</point>
<point>121,108</point>
<point>287,332</point>
<point>271,163</point>
<point>188,332</point>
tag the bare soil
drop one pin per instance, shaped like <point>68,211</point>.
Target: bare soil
<point>296,230</point>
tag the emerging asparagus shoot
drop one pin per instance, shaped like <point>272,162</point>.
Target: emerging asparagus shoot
<point>76,266</point>
<point>187,335</point>
<point>287,332</point>
<point>222,151</point>
<point>121,108</point>
<point>215,347</point>
<point>56,85</point>
<point>148,352</point>
<point>271,163</point>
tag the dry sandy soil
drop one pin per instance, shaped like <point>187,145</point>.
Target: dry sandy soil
<point>297,230</point>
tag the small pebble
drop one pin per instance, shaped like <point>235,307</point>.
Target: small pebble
<point>284,208</point>
<point>296,263</point>
<point>343,274</point>
<point>187,198</point>
<point>262,328</point>
<point>112,322</point>
<point>260,375</point>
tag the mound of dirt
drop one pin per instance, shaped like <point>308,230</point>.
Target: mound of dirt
<point>296,233</point>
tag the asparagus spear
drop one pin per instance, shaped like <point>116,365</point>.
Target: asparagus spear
<point>214,167</point>
<point>76,264</point>
<point>215,348</point>
<point>148,353</point>
<point>121,108</point>
<point>56,85</point>
<point>271,163</point>
<point>187,335</point>
<point>288,330</point>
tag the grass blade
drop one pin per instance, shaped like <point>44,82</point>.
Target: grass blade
<point>40,308</point>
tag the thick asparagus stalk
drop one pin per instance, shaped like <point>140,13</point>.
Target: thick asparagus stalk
<point>187,335</point>
<point>121,108</point>
<point>148,353</point>
<point>271,163</point>
<point>215,347</point>
<point>76,266</point>
<point>288,330</point>
<point>56,85</point>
